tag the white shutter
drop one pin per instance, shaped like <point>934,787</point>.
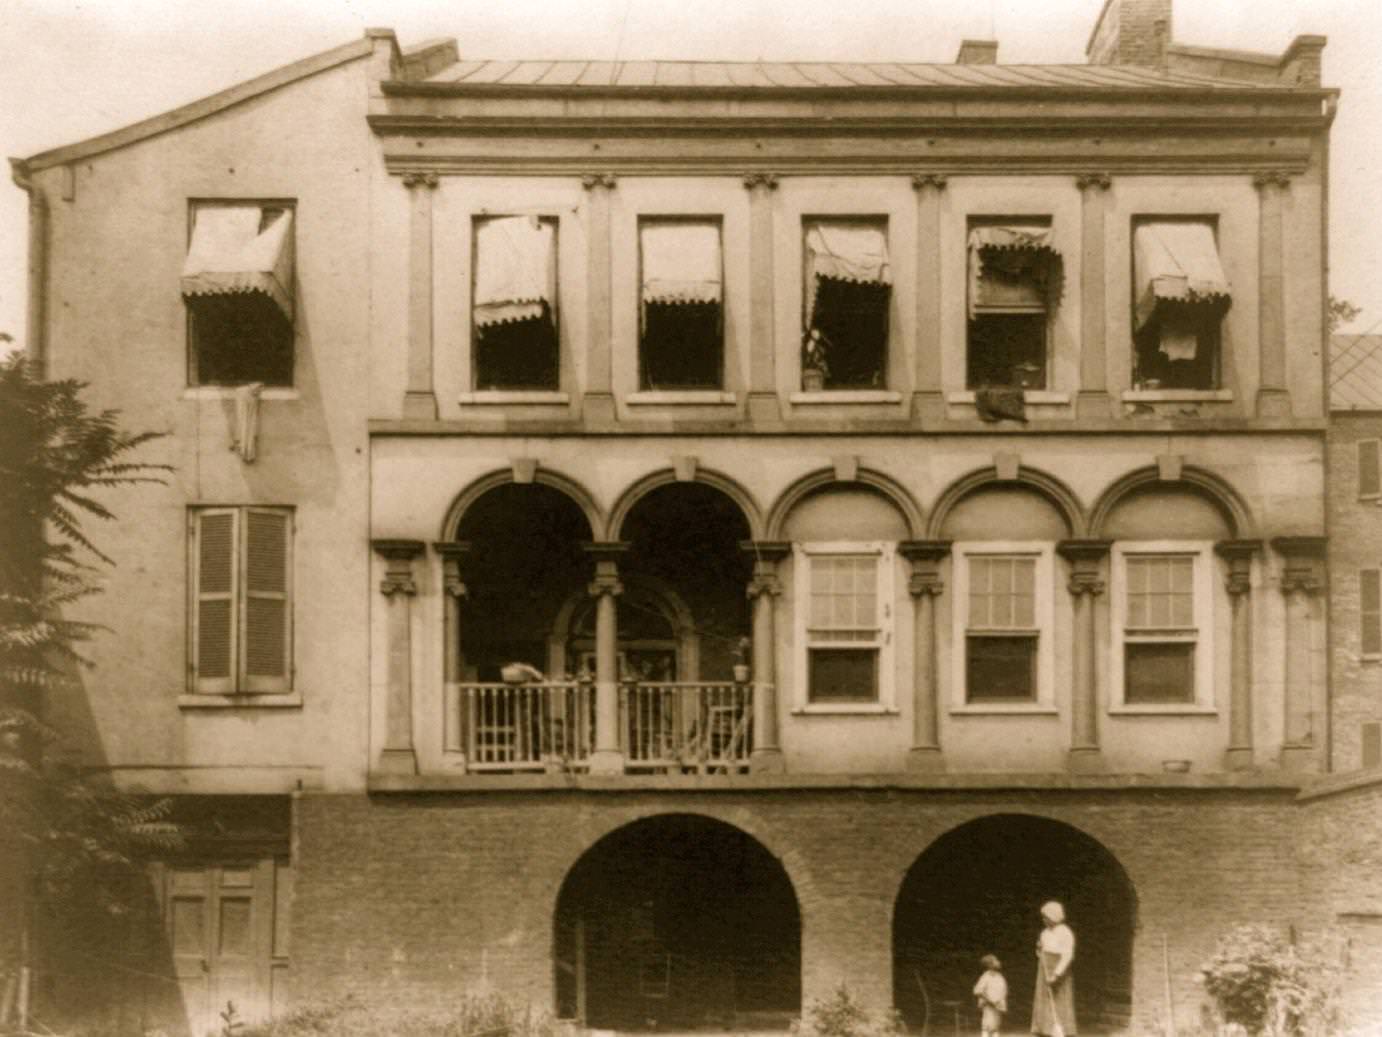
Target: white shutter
<point>266,652</point>
<point>215,575</point>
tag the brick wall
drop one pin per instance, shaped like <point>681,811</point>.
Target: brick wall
<point>414,897</point>
<point>1132,32</point>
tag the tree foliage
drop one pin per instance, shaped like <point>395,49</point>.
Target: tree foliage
<point>1274,987</point>
<point>1341,312</point>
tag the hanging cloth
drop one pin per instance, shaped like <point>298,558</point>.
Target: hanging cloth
<point>515,270</point>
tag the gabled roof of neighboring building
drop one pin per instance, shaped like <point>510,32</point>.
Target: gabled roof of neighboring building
<point>1355,372</point>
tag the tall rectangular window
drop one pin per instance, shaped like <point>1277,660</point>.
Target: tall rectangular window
<point>241,637</point>
<point>1160,630</point>
<point>681,325</point>
<point>846,622</point>
<point>1370,612</point>
<point>1369,469</point>
<point>1014,274</point>
<point>847,292</point>
<point>514,311</point>
<point>1001,635</point>
<point>1180,296</point>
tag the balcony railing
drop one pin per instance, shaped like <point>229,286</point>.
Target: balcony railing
<point>669,727</point>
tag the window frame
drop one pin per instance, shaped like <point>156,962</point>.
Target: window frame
<point>716,221</point>
<point>1376,495</point>
<point>192,375</point>
<point>1365,656</point>
<point>515,394</point>
<point>885,555</point>
<point>240,685</point>
<point>974,311</point>
<point>1138,384</point>
<point>1207,610</point>
<point>1044,605</point>
<point>883,221</point>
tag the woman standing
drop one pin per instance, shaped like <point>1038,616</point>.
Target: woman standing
<point>1053,1013</point>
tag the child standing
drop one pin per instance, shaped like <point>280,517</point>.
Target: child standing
<point>991,992</point>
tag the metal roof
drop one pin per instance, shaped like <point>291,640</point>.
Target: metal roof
<point>1355,372</point>
<point>777,75</point>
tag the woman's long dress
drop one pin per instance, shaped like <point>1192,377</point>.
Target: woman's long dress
<point>1056,1002</point>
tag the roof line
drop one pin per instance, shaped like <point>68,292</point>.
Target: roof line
<point>210,105</point>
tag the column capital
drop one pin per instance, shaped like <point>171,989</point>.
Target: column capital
<point>1239,555</point>
<point>606,550</point>
<point>921,181</point>
<point>760,181</point>
<point>926,557</point>
<point>1271,178</point>
<point>763,583</point>
<point>590,181</point>
<point>453,553</point>
<point>1303,563</point>
<point>606,580</point>
<point>1086,181</point>
<point>421,178</point>
<point>398,574</point>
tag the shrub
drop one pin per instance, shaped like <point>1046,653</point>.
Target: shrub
<point>470,1015</point>
<point>841,1015</point>
<point>1271,986</point>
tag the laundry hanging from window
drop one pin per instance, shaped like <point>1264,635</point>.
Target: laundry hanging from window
<point>1014,275</point>
<point>237,283</point>
<point>848,287</point>
<point>1180,296</point>
<point>680,312</point>
<point>514,309</point>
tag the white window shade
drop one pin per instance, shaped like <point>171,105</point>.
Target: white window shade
<point>238,249</point>
<point>1176,261</point>
<point>681,262</point>
<point>845,251</point>
<point>515,269</point>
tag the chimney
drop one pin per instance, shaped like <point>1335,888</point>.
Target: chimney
<point>1131,32</point>
<point>977,52</point>
<point>1300,65</point>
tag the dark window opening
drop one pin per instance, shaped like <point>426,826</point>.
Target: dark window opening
<point>1000,668</point>
<point>1007,349</point>
<point>852,318</point>
<point>682,346</point>
<point>519,354</point>
<point>240,338</point>
<point>1178,348</point>
<point>843,674</point>
<point>1158,673</point>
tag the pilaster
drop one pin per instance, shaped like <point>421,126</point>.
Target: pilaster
<point>420,398</point>
<point>1239,554</point>
<point>764,408</point>
<point>1273,393</point>
<point>1086,558</point>
<point>1302,580</point>
<point>763,590</point>
<point>399,588</point>
<point>1093,400</point>
<point>598,401</point>
<point>928,399</point>
<point>605,587</point>
<point>925,585</point>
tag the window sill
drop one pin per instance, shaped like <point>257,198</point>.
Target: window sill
<point>1177,395</point>
<point>1168,710</point>
<point>247,700</point>
<point>846,709</point>
<point>227,392</point>
<point>1032,396</point>
<point>680,398</point>
<point>831,396</point>
<point>506,397</point>
<point>1028,709</point>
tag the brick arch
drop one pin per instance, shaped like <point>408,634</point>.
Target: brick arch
<point>1048,486</point>
<point>573,490</point>
<point>753,515</point>
<point>1212,487</point>
<point>900,497</point>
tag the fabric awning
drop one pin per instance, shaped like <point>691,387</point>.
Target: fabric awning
<point>681,262</point>
<point>855,252</point>
<point>1177,262</point>
<point>240,248</point>
<point>1012,251</point>
<point>515,269</point>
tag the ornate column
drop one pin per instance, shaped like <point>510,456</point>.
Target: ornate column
<point>1302,578</point>
<point>763,403</point>
<point>1093,400</point>
<point>605,587</point>
<point>925,586</point>
<point>1239,555</point>
<point>763,590</point>
<point>1086,558</point>
<point>1273,396</point>
<point>598,405</point>
<point>420,399</point>
<point>928,399</point>
<point>399,588</point>
<point>454,592</point>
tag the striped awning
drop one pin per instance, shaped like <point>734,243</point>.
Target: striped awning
<point>1178,262</point>
<point>681,262</point>
<point>238,249</point>
<point>842,250</point>
<point>515,269</point>
<point>1005,265</point>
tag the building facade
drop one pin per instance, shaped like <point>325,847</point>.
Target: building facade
<point>665,540</point>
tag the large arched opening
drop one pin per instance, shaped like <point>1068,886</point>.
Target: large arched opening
<point>978,890</point>
<point>678,922</point>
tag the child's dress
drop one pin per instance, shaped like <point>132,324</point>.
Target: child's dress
<point>992,992</point>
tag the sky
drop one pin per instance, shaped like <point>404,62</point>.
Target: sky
<point>77,68</point>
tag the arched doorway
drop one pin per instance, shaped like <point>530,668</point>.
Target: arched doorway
<point>978,889</point>
<point>678,922</point>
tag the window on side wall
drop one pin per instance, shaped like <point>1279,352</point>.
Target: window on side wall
<point>844,609</point>
<point>681,320</point>
<point>1014,279</point>
<point>242,604</point>
<point>847,292</point>
<point>1180,296</point>
<point>1370,613</point>
<point>1163,622</point>
<point>1369,469</point>
<point>237,286</point>
<point>514,313</point>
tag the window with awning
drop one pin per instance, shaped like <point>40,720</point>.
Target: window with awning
<point>514,303</point>
<point>1014,278</point>
<point>237,283</point>
<point>681,340</point>
<point>1180,294</point>
<point>847,292</point>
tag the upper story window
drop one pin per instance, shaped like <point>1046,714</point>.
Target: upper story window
<point>1014,275</point>
<point>845,620</point>
<point>1369,469</point>
<point>514,314</point>
<point>848,285</point>
<point>1163,624</point>
<point>1004,624</point>
<point>242,614</point>
<point>1370,612</point>
<point>237,283</point>
<point>1180,295</point>
<point>681,325</point>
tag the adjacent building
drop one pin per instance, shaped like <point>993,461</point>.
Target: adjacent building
<point>667,538</point>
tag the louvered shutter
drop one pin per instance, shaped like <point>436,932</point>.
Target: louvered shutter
<point>215,535</point>
<point>1370,610</point>
<point>1369,469</point>
<point>265,646</point>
